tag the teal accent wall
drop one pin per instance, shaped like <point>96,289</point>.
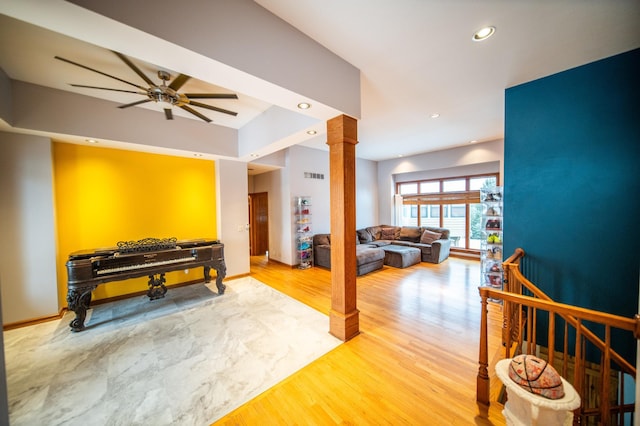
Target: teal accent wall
<point>572,185</point>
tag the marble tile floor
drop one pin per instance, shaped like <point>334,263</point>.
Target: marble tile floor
<point>187,359</point>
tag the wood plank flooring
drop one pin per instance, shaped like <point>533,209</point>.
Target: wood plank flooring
<point>413,363</point>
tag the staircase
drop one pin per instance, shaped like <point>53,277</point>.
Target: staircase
<point>527,310</point>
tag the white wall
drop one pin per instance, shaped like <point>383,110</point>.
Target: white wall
<point>233,215</point>
<point>6,98</point>
<point>28,260</point>
<point>453,162</point>
<point>301,160</point>
<point>285,184</point>
<point>366,193</point>
<point>276,185</point>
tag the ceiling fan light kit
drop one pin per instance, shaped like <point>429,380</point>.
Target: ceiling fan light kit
<point>161,93</point>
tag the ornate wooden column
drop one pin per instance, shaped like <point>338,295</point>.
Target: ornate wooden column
<point>342,137</point>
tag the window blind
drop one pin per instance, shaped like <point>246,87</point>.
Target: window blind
<point>460,197</point>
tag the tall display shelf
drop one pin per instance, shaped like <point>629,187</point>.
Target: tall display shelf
<point>304,236</point>
<point>492,229</point>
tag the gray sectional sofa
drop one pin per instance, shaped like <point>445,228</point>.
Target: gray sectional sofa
<point>433,243</point>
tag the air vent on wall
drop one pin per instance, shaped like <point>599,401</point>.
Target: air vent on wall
<point>309,175</point>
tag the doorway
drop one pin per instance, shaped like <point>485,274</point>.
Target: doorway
<point>258,223</point>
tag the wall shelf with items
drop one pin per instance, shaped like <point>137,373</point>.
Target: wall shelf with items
<point>303,234</point>
<point>492,237</point>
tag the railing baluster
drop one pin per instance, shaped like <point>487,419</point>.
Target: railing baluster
<point>508,326</point>
<point>529,330</point>
<point>565,354</point>
<point>605,413</point>
<point>551,337</point>
<point>534,334</point>
<point>577,365</point>
<point>620,415</point>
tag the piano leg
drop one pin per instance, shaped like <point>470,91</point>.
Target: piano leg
<point>157,289</point>
<point>78,301</point>
<point>221,272</point>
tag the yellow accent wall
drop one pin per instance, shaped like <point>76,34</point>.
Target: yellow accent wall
<point>105,195</point>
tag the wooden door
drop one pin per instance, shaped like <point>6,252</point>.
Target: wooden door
<point>258,223</point>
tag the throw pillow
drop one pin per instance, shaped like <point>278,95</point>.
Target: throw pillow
<point>388,234</point>
<point>322,239</point>
<point>410,233</point>
<point>429,237</point>
<point>536,376</point>
<point>364,236</point>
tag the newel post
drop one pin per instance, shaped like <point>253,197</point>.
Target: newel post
<point>342,137</point>
<point>482,386</point>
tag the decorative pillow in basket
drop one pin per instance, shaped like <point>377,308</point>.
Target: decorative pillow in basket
<point>536,376</point>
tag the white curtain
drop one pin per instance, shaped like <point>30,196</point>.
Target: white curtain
<point>397,203</point>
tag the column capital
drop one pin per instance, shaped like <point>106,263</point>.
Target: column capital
<point>342,129</point>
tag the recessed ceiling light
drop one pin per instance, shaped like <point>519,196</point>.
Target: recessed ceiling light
<point>311,132</point>
<point>473,141</point>
<point>91,140</point>
<point>483,33</point>
<point>399,155</point>
<point>435,115</point>
<point>304,105</point>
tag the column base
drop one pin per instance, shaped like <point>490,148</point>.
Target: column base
<point>344,326</point>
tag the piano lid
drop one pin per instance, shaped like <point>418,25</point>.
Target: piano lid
<point>110,251</point>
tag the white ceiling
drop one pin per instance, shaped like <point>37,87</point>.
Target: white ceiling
<point>35,64</point>
<point>416,58</point>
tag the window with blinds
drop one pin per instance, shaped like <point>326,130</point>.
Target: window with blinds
<point>452,203</point>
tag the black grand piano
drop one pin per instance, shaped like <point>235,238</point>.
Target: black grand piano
<point>151,257</point>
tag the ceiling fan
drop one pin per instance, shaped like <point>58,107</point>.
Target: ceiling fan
<point>161,93</point>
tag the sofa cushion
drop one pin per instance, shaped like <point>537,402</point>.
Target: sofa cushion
<point>367,254</point>
<point>322,239</point>
<point>381,243</point>
<point>401,257</point>
<point>388,234</point>
<point>364,236</point>
<point>410,233</point>
<point>429,237</point>
<point>375,231</point>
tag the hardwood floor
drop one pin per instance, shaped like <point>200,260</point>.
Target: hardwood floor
<point>414,362</point>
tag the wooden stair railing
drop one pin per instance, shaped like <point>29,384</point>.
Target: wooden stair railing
<point>520,314</point>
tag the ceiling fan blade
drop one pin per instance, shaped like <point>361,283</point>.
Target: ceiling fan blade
<point>178,82</point>
<point>134,68</point>
<point>99,72</point>
<point>211,95</point>
<point>224,111</point>
<point>107,88</point>
<point>168,113</point>
<point>134,103</point>
<point>196,113</point>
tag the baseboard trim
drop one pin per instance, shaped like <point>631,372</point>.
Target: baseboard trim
<point>33,321</point>
<point>465,255</point>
